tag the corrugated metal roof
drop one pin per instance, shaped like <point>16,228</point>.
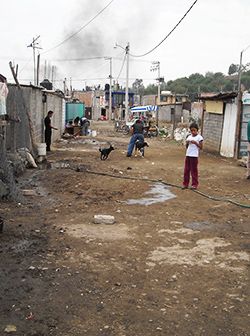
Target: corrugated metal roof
<point>218,96</point>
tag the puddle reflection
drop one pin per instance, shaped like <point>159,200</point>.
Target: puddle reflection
<point>160,192</point>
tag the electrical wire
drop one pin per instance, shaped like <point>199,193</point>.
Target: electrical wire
<point>168,33</point>
<point>80,29</point>
<point>123,62</point>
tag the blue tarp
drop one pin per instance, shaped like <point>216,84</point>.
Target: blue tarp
<point>146,108</point>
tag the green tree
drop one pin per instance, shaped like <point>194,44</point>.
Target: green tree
<point>138,86</point>
<point>233,68</point>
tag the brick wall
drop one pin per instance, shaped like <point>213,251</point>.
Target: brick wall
<point>212,131</point>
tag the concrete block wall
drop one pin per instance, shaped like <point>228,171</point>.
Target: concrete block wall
<point>165,113</point>
<point>212,131</point>
<point>31,99</point>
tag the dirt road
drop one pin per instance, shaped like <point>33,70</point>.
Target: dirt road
<point>173,263</point>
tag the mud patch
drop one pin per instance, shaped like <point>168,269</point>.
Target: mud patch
<point>103,232</point>
<point>22,246</point>
<point>203,253</point>
<point>206,226</point>
<point>160,192</point>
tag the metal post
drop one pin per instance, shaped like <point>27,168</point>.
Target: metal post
<point>127,76</point>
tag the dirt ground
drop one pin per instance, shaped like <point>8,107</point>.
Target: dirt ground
<point>174,262</point>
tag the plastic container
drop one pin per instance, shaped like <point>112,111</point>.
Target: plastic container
<point>41,149</point>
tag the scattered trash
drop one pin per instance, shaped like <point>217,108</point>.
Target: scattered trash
<point>118,284</point>
<point>30,316</point>
<point>29,192</point>
<point>104,219</point>
<point>10,328</point>
<point>31,268</point>
<point>31,160</point>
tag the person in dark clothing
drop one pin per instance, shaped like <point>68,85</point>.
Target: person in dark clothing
<point>48,130</point>
<point>76,121</point>
<point>137,134</point>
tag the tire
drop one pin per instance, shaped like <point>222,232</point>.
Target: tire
<point>125,129</point>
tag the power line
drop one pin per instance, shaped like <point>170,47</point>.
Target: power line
<point>123,62</point>
<point>168,33</point>
<point>80,29</point>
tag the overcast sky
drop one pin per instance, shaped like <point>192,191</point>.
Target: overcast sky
<point>210,38</point>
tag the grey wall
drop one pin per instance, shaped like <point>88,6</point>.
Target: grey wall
<point>212,131</point>
<point>30,100</point>
<point>165,113</point>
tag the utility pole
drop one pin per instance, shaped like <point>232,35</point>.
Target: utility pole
<point>239,109</point>
<point>38,69</point>
<point>34,45</point>
<point>127,76</point>
<point>110,86</point>
<point>156,66</point>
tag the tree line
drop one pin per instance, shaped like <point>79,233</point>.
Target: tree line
<point>197,83</point>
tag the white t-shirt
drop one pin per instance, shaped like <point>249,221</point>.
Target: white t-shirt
<point>193,150</point>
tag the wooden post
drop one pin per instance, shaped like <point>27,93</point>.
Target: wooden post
<point>31,128</point>
<point>3,124</point>
<point>238,125</point>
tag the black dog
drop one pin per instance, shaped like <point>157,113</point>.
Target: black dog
<point>105,152</point>
<point>140,146</point>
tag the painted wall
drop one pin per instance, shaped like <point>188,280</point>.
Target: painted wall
<point>214,106</point>
<point>229,129</point>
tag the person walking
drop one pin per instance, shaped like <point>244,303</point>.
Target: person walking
<point>48,130</point>
<point>194,143</point>
<point>137,134</point>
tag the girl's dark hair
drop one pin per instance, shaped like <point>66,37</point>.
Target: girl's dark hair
<point>194,125</point>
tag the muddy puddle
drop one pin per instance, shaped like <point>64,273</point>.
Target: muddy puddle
<point>157,194</point>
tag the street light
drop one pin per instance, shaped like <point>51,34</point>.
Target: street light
<point>127,76</point>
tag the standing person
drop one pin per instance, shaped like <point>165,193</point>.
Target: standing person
<point>137,134</point>
<point>84,122</point>
<point>248,150</point>
<point>194,143</point>
<point>48,130</point>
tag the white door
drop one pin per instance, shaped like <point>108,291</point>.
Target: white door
<point>229,129</point>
